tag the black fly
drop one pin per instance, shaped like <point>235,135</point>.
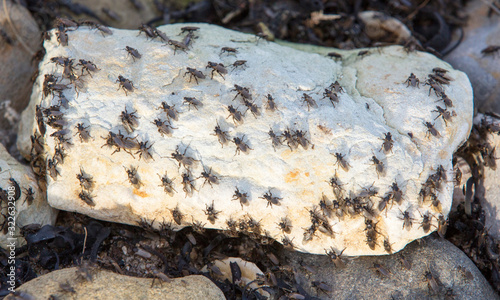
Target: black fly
<point>271,199</point>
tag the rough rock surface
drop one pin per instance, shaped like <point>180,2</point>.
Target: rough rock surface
<point>109,285</point>
<point>359,279</point>
<point>127,187</point>
<point>30,209</point>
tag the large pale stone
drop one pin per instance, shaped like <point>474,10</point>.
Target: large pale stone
<point>30,204</point>
<point>376,101</point>
<point>109,285</point>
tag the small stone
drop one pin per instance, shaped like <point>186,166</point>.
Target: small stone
<point>109,285</point>
<point>189,176</point>
<point>18,185</point>
<point>250,273</point>
<point>381,27</point>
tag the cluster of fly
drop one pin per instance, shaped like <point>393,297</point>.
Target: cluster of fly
<point>55,119</point>
<point>188,163</point>
<point>318,222</point>
<point>38,160</point>
<point>339,207</point>
<point>87,184</point>
<point>101,28</point>
<point>436,81</point>
<point>69,73</point>
<point>51,86</point>
<point>250,226</point>
<point>153,33</point>
<point>394,195</point>
<point>293,139</point>
<point>488,155</point>
<point>431,187</point>
<point>371,233</point>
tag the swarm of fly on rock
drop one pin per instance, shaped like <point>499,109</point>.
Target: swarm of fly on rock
<point>345,204</point>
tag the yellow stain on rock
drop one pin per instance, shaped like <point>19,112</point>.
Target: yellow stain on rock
<point>292,176</point>
<point>142,194</point>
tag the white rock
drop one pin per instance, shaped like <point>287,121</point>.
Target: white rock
<point>376,101</point>
<point>31,207</point>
